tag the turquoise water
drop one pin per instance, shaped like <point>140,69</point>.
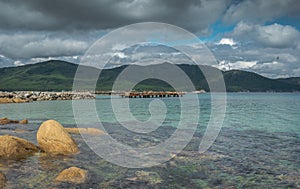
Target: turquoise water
<point>274,112</point>
<point>258,146</point>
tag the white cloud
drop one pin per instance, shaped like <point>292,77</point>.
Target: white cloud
<point>274,35</point>
<point>34,45</point>
<point>120,55</point>
<point>18,63</point>
<point>278,36</point>
<point>237,65</point>
<point>258,11</point>
<point>227,41</point>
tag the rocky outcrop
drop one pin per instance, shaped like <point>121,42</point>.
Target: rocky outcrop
<point>4,121</point>
<point>2,180</point>
<point>73,175</point>
<point>29,96</point>
<point>12,147</point>
<point>54,139</point>
<point>90,131</point>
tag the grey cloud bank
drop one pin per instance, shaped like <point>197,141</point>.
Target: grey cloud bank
<point>38,30</point>
<point>103,14</point>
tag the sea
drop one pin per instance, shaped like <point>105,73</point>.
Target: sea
<point>257,145</point>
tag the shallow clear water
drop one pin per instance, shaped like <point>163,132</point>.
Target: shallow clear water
<point>258,146</point>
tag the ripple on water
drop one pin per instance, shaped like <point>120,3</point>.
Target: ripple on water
<point>248,158</point>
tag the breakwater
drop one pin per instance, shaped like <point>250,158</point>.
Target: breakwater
<point>30,96</point>
<point>151,94</point>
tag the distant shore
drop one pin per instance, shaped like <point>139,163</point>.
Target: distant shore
<point>30,96</point>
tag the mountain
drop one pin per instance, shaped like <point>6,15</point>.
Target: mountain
<point>51,75</point>
<point>291,80</point>
<point>57,75</point>
<point>237,80</point>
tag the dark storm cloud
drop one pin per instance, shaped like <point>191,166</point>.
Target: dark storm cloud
<point>103,14</point>
<point>37,30</point>
<point>58,28</point>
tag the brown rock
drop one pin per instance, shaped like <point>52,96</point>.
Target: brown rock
<point>53,138</point>
<point>91,131</point>
<point>20,130</point>
<point>2,180</point>
<point>13,147</point>
<point>4,121</point>
<point>73,175</point>
<point>152,178</point>
<point>5,100</point>
<point>23,121</point>
<point>18,100</point>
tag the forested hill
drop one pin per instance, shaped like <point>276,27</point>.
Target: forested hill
<point>57,75</point>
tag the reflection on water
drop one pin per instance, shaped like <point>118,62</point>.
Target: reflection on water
<point>258,147</point>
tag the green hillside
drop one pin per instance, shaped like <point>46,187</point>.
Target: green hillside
<point>248,81</point>
<point>58,75</point>
<point>291,80</point>
<point>51,75</point>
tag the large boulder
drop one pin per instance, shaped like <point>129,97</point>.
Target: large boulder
<point>73,175</point>
<point>12,147</point>
<point>54,139</point>
<point>90,131</point>
<point>2,180</point>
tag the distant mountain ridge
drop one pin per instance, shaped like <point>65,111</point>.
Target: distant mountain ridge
<point>55,75</point>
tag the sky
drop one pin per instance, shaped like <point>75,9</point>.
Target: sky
<point>262,36</point>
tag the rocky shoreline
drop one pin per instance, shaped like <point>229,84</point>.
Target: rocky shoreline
<point>53,140</point>
<point>30,96</point>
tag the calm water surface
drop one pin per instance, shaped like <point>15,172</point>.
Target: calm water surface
<point>258,146</point>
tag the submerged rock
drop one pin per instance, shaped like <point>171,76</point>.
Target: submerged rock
<point>23,121</point>
<point>91,131</point>
<point>152,178</point>
<point>20,130</point>
<point>13,147</point>
<point>4,121</point>
<point>54,139</point>
<point>2,180</point>
<point>73,175</point>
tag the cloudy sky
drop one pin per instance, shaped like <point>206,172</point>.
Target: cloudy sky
<point>255,35</point>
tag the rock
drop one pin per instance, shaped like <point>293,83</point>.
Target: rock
<point>54,139</point>
<point>20,130</point>
<point>24,121</point>
<point>18,100</point>
<point>4,121</point>
<point>5,100</point>
<point>2,180</point>
<point>91,131</point>
<point>13,147</point>
<point>152,178</point>
<point>73,175</point>
<point>30,96</point>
